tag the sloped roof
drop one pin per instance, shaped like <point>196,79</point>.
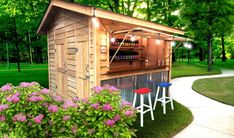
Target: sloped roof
<point>87,10</point>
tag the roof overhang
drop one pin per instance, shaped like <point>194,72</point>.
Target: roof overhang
<point>86,10</point>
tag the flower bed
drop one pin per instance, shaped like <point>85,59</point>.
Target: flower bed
<point>30,110</point>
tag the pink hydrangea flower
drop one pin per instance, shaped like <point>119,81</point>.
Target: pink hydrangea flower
<point>68,104</point>
<point>45,91</point>
<point>19,117</point>
<point>113,89</point>
<point>117,118</point>
<point>107,107</point>
<point>14,98</point>
<point>35,99</point>
<point>27,84</point>
<point>85,100</point>
<point>66,117</point>
<point>96,105</point>
<point>97,89</point>
<point>3,107</point>
<point>76,99</point>
<point>74,129</point>
<point>38,119</point>
<point>2,118</point>
<point>53,108</point>
<point>45,104</point>
<point>6,87</point>
<point>125,103</point>
<point>58,98</point>
<point>109,123</point>
<point>128,113</point>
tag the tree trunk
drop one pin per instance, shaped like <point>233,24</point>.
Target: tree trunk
<point>148,10</point>
<point>116,3</point>
<point>201,58</point>
<point>173,57</point>
<point>209,43</point>
<point>30,48</point>
<point>17,44</point>
<point>223,50</point>
<point>188,56</point>
<point>182,54</point>
<point>7,51</point>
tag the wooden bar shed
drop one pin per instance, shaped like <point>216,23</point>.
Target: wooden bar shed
<point>89,46</point>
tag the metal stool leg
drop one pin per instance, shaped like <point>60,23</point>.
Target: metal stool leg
<point>134,100</point>
<point>150,104</point>
<point>142,109</point>
<point>156,97</point>
<point>164,100</point>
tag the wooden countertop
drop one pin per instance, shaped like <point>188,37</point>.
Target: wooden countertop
<point>113,75</point>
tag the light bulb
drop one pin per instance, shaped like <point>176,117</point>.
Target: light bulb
<point>185,44</point>
<point>133,38</point>
<point>158,41</point>
<point>189,46</point>
<point>95,22</point>
<point>173,43</point>
<point>112,39</point>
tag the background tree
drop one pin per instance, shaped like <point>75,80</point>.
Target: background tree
<point>201,16</point>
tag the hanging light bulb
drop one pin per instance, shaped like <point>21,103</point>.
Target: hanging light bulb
<point>95,21</point>
<point>173,43</point>
<point>185,44</point>
<point>133,38</point>
<point>158,41</point>
<point>112,39</point>
<point>189,46</point>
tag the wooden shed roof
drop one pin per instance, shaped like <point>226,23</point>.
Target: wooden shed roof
<point>87,10</point>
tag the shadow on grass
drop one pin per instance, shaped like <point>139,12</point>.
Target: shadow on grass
<point>164,126</point>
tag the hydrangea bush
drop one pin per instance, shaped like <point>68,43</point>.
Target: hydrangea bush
<point>31,111</point>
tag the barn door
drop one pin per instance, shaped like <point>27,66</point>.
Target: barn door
<point>61,69</point>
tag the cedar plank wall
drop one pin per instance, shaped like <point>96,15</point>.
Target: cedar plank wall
<point>102,40</point>
<point>71,30</point>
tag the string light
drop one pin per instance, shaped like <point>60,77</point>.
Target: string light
<point>173,43</point>
<point>94,19</point>
<point>189,46</point>
<point>112,39</point>
<point>133,38</point>
<point>158,41</point>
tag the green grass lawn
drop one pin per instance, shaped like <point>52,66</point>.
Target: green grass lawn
<point>220,89</point>
<point>29,73</point>
<point>164,126</point>
<point>182,70</point>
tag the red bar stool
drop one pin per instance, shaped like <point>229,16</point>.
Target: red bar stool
<point>142,92</point>
<point>164,99</point>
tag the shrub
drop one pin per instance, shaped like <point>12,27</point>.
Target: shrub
<point>28,110</point>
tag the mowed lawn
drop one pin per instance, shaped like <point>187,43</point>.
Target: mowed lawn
<point>29,73</point>
<point>220,89</point>
<point>183,70</point>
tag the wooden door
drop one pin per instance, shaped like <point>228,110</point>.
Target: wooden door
<point>61,69</point>
<point>82,69</point>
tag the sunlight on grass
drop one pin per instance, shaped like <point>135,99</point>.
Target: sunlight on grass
<point>220,89</point>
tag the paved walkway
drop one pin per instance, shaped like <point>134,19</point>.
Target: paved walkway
<point>212,119</point>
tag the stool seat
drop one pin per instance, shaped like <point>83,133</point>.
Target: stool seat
<point>142,90</point>
<point>164,99</point>
<point>164,84</point>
